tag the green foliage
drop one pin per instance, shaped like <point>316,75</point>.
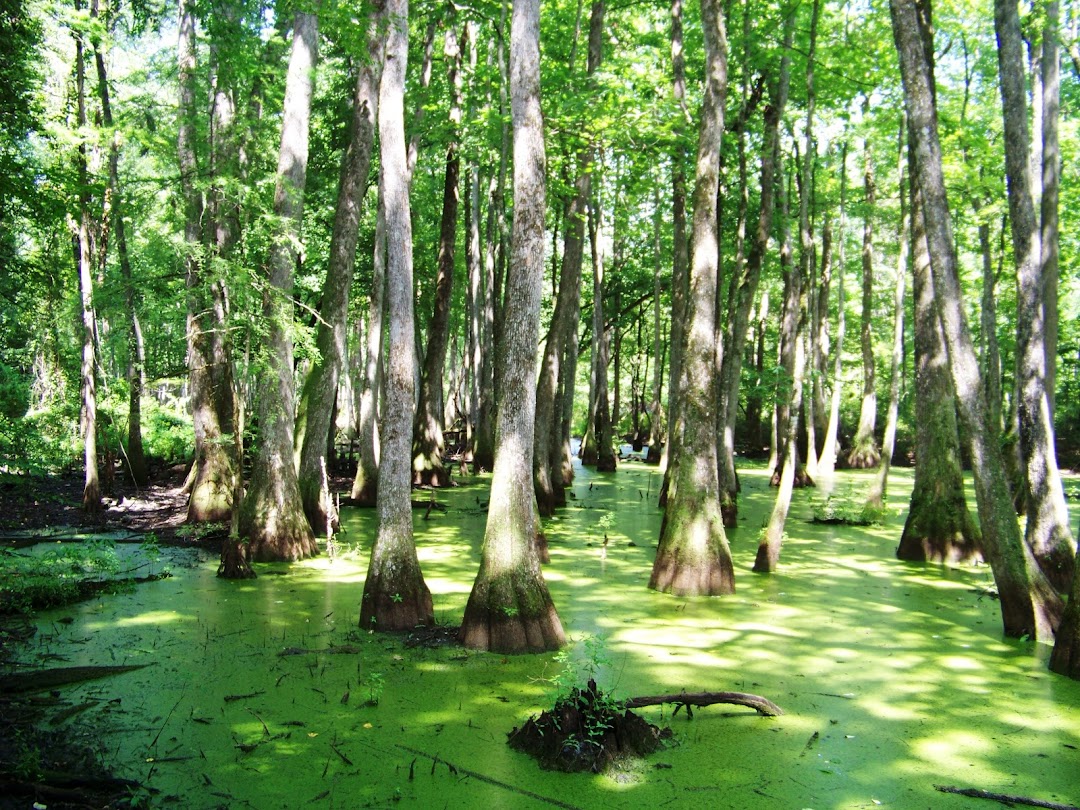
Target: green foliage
<point>848,511</point>
<point>32,582</point>
<point>375,683</point>
<point>579,662</point>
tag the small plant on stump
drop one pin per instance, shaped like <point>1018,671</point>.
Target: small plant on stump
<point>586,729</point>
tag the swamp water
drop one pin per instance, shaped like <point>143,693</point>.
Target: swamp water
<point>893,677</point>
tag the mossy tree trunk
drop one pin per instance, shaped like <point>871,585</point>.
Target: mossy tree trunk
<point>693,556</point>
<point>1029,605</point>
<point>272,514</point>
<point>938,525</point>
<point>210,379</point>
<point>510,609</point>
<point>1047,531</point>
<point>314,421</point>
<point>395,594</point>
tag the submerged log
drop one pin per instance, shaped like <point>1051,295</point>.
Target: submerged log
<point>1004,798</point>
<point>762,706</point>
<point>43,679</point>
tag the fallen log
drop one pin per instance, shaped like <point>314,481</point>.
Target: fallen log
<point>762,706</point>
<point>1004,798</point>
<point>41,680</point>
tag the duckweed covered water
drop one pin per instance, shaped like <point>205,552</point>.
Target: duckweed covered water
<point>894,677</point>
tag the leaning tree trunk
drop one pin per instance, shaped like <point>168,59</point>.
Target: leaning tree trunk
<point>875,499</point>
<point>272,513</point>
<point>1029,605</point>
<point>428,442</point>
<point>789,401</point>
<point>548,435</point>
<point>738,328</point>
<point>864,451</point>
<point>395,594</point>
<point>510,609</point>
<point>938,525</point>
<point>1051,190</point>
<point>313,422</point>
<point>693,556</point>
<point>1047,532</point>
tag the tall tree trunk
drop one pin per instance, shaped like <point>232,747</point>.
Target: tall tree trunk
<point>739,326</point>
<point>680,246</point>
<point>827,459</point>
<point>1051,190</point>
<point>938,525</point>
<point>134,455</point>
<point>656,406</point>
<point>693,556</point>
<point>213,483</point>
<point>875,499</point>
<point>315,430</point>
<point>605,440</point>
<point>365,486</point>
<point>789,399</point>
<point>1047,532</point>
<point>395,594</point>
<point>548,435</point>
<point>807,256</point>
<point>864,450</point>
<point>82,249</point>
<point>1029,605</point>
<point>428,442</point>
<point>510,609</point>
<point>272,513</point>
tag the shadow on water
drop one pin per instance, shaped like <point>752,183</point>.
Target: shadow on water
<point>894,677</point>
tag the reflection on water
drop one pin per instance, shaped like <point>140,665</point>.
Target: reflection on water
<point>894,677</point>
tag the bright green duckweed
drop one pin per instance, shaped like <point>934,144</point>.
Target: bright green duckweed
<point>894,677</point>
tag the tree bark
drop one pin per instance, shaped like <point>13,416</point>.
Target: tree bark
<point>313,422</point>
<point>1051,190</point>
<point>1047,531</point>
<point>272,513</point>
<point>829,448</point>
<point>395,594</point>
<point>693,556</point>
<point>1029,604</point>
<point>510,609</point>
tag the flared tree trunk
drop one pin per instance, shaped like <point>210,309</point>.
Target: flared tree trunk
<point>395,594</point>
<point>1029,605</point>
<point>510,609</point>
<point>693,556</point>
<point>938,525</point>
<point>1047,532</point>
<point>739,325</point>
<point>1065,658</point>
<point>428,441</point>
<point>272,514</point>
<point>864,451</point>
